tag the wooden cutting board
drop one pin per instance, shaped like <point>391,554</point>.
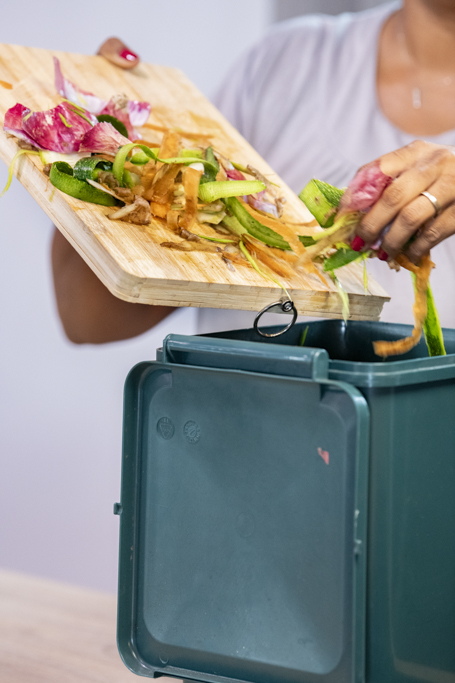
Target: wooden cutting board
<point>128,258</point>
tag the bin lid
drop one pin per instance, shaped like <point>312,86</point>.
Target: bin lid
<point>243,519</point>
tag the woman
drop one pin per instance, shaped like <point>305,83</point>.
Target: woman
<point>319,97</point>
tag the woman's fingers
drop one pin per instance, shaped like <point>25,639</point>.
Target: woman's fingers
<point>406,224</point>
<point>394,163</point>
<point>401,201</point>
<point>416,214</point>
<point>395,197</point>
<point>115,51</point>
<point>432,233</point>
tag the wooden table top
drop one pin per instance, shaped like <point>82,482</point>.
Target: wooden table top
<point>57,633</point>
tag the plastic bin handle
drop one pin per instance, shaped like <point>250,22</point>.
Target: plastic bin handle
<point>228,354</point>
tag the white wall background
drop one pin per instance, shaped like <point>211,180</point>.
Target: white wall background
<point>61,405</point>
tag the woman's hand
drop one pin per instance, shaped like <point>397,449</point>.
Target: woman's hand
<point>418,167</point>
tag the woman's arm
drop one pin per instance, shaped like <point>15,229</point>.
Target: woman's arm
<point>90,314</point>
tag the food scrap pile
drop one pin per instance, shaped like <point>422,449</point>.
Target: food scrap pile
<point>92,150</point>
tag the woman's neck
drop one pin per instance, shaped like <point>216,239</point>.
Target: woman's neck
<point>428,29</point>
<point>416,67</point>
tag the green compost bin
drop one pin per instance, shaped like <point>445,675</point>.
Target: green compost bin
<point>288,512</point>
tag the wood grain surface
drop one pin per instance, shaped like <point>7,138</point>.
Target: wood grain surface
<point>56,633</point>
<point>128,258</point>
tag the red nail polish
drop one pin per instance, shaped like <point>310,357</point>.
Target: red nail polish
<point>382,256</point>
<point>128,55</point>
<point>357,243</point>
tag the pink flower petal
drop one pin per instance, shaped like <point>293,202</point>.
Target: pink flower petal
<point>135,114</point>
<point>73,93</point>
<point>49,130</point>
<point>233,174</point>
<point>13,117</point>
<point>13,123</point>
<point>365,188</point>
<point>138,112</point>
<point>103,138</point>
<point>258,202</point>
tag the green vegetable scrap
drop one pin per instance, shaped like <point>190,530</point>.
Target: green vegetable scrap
<point>188,161</point>
<point>212,191</point>
<point>307,240</point>
<point>194,153</point>
<point>321,199</point>
<point>76,109</point>
<point>118,125</point>
<point>18,154</point>
<point>130,179</point>
<point>343,295</point>
<point>252,261</point>
<point>304,336</point>
<point>122,155</point>
<point>61,176</point>
<point>341,258</point>
<point>234,225</point>
<point>65,122</point>
<point>240,167</point>
<point>215,239</point>
<point>210,172</point>
<point>90,167</point>
<point>432,326</point>
<point>139,158</point>
<point>82,115</point>
<point>254,227</point>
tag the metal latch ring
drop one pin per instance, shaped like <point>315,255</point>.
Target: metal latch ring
<point>286,306</point>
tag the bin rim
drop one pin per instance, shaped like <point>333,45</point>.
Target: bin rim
<point>401,371</point>
<point>394,373</point>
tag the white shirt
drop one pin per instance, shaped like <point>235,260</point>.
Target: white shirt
<point>305,98</point>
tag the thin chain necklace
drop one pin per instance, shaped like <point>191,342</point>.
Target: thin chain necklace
<point>416,90</point>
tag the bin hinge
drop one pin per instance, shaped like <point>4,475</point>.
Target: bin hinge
<point>117,508</point>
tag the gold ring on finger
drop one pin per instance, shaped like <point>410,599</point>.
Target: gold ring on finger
<point>434,201</point>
